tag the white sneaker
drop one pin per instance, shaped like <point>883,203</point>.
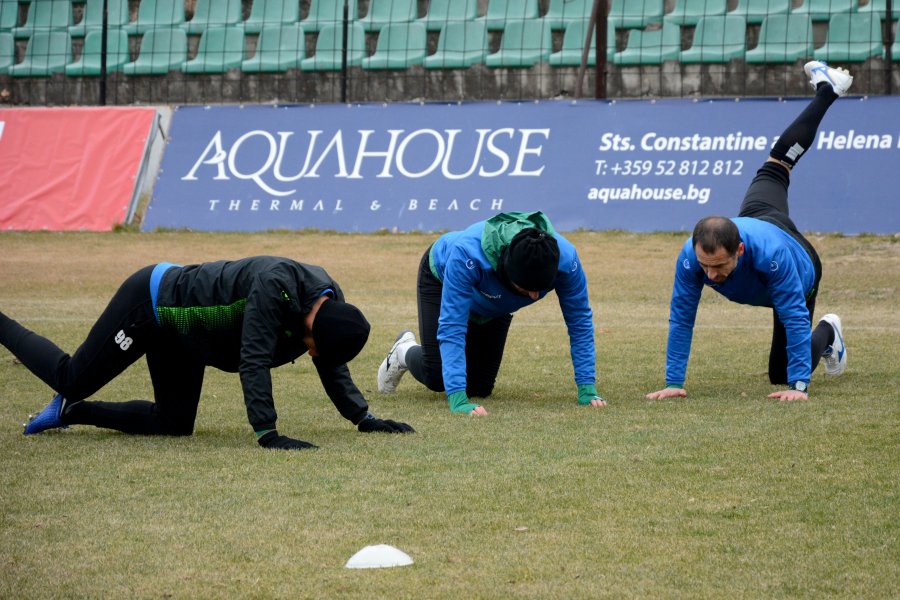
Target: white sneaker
<point>818,71</point>
<point>835,357</point>
<point>390,371</point>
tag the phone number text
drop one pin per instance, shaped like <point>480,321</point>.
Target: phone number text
<point>682,168</point>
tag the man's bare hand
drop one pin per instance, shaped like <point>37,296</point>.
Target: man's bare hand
<point>667,393</point>
<point>789,395</point>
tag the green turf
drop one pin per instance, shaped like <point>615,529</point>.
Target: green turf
<point>724,494</point>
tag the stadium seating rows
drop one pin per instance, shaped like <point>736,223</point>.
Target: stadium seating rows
<point>161,33</point>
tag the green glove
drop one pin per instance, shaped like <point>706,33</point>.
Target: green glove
<point>586,393</point>
<point>459,402</point>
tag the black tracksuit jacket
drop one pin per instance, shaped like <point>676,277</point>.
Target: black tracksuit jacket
<point>246,316</point>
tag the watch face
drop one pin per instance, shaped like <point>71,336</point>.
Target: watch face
<point>800,386</point>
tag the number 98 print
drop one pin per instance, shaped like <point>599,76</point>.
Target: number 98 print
<point>123,340</point>
<point>700,168</point>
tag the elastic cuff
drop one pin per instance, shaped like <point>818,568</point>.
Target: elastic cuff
<point>674,386</point>
<point>459,402</point>
<point>363,417</point>
<point>586,393</point>
<point>263,432</point>
<point>264,427</point>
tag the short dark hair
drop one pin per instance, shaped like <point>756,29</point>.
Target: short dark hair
<point>712,233</point>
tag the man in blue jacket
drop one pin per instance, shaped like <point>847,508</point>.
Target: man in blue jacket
<point>761,259</point>
<point>470,282</point>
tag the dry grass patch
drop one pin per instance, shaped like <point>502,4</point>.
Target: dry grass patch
<point>724,494</point>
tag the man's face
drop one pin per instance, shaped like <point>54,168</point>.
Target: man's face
<point>718,265</point>
<point>523,292</point>
<point>308,320</point>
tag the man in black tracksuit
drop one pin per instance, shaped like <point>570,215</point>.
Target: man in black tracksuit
<point>245,316</point>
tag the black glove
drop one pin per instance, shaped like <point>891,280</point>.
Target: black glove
<point>372,423</point>
<point>271,439</point>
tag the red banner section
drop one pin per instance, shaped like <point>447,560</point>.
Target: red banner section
<point>70,168</point>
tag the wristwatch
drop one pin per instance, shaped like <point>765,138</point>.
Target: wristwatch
<point>800,386</point>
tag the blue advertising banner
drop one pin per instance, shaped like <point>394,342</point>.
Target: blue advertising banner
<point>632,165</point>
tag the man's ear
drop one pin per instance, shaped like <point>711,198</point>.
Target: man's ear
<point>740,250</point>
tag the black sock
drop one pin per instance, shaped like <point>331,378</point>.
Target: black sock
<point>822,338</point>
<point>413,360</point>
<point>799,135</point>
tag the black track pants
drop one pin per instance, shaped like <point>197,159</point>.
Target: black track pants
<point>125,331</point>
<point>485,342</point>
<point>767,199</point>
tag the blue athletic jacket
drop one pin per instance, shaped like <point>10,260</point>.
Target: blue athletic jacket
<point>472,290</point>
<point>774,271</point>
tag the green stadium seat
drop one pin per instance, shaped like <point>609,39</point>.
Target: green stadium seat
<point>157,14</point>
<point>382,12</point>
<point>573,45</point>
<point>821,10</point>
<point>279,48</point>
<point>880,7</point>
<point>214,13</point>
<point>852,38</point>
<point>271,12</point>
<point>9,14</point>
<point>399,46</point>
<point>7,51</point>
<point>895,47</point>
<point>755,11</point>
<point>783,39</point>
<point>329,45</point>
<point>162,50</point>
<point>461,44</point>
<point>48,52</point>
<point>45,15</point>
<point>689,12</point>
<point>717,39</point>
<point>117,54</point>
<point>651,46</point>
<point>220,49</point>
<point>523,44</point>
<point>635,14</point>
<point>441,12</point>
<point>116,16</point>
<point>561,13</point>
<point>500,12</point>
<point>328,12</point>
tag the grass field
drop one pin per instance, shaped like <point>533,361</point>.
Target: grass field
<point>724,494</point>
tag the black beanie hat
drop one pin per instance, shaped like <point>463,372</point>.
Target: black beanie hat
<point>340,331</point>
<point>531,260</point>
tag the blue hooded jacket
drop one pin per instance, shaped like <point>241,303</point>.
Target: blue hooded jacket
<point>464,261</point>
<point>775,271</point>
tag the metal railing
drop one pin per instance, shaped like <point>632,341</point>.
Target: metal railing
<point>673,50</point>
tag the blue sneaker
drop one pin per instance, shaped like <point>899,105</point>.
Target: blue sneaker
<point>835,357</point>
<point>49,418</point>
